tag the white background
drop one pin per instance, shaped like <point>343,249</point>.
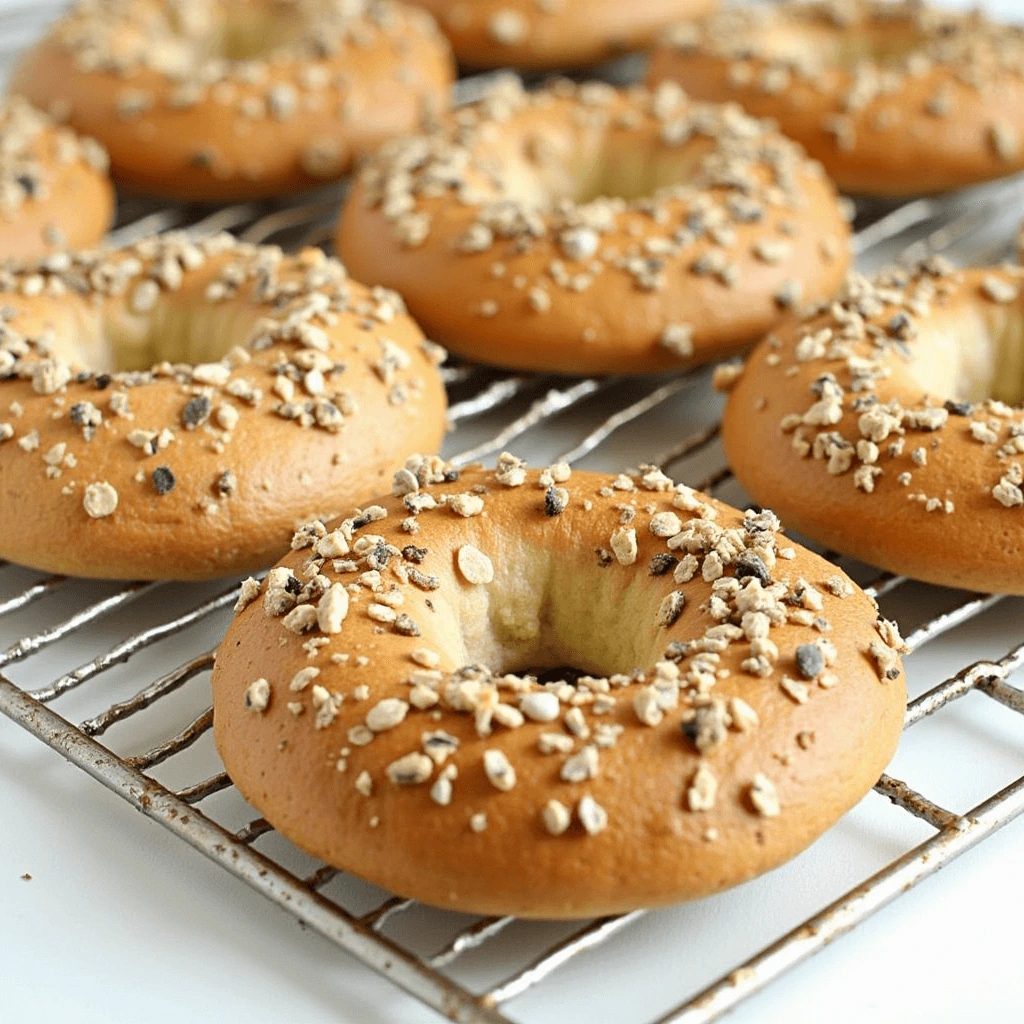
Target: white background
<point>122,924</point>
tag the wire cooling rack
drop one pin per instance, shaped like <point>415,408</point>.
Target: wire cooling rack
<point>152,747</point>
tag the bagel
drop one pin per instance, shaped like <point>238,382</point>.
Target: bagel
<point>889,426</point>
<point>495,231</point>
<point>216,100</point>
<point>894,98</point>
<point>550,34</point>
<point>54,189</point>
<point>171,410</point>
<point>741,694</point>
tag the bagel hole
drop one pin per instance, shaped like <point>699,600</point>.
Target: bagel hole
<point>126,342</point>
<point>237,32</point>
<point>557,615</point>
<point>888,46</point>
<point>544,172</point>
<point>977,354</point>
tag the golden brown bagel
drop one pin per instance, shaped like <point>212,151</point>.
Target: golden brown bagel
<point>54,189</point>
<point>884,428</point>
<point>173,409</point>
<point>894,98</point>
<point>213,100</point>
<point>551,34</point>
<point>742,696</point>
<point>494,231</point>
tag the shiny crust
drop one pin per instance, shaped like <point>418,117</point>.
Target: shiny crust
<point>821,756</point>
<point>949,112</point>
<point>944,508</point>
<point>541,35</point>
<point>515,274</point>
<point>214,131</point>
<point>54,189</point>
<point>243,474</point>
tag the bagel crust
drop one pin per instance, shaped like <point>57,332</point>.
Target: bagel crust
<point>54,189</point>
<point>551,34</point>
<point>373,700</point>
<point>316,83</point>
<point>883,426</point>
<point>894,98</point>
<point>489,229</point>
<point>172,410</point>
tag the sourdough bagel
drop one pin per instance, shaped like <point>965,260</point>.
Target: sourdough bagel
<point>371,698</point>
<point>173,409</point>
<point>495,231</point>
<point>551,34</point>
<point>890,427</point>
<point>54,189</point>
<point>894,98</point>
<point>213,100</point>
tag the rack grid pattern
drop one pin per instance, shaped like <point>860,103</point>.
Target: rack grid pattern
<point>482,396</point>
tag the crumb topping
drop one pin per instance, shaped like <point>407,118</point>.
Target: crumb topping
<point>721,631</point>
<point>861,425</point>
<point>495,179</point>
<point>317,332</point>
<point>27,158</point>
<point>951,51</point>
<point>292,58</point>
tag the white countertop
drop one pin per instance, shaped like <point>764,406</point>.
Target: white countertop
<point>121,923</point>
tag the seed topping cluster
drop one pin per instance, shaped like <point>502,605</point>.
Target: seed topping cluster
<point>25,174</point>
<point>300,50</point>
<point>955,50</point>
<point>718,626</point>
<point>289,367</point>
<point>854,424</point>
<point>743,176</point>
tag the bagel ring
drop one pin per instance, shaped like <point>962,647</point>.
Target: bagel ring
<point>216,100</point>
<point>54,189</point>
<point>383,718</point>
<point>495,231</point>
<point>171,410</point>
<point>550,34</point>
<point>890,427</point>
<point>894,98</point>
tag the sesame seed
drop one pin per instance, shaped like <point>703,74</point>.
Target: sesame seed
<point>411,770</point>
<point>386,714</point>
<point>540,706</point>
<point>425,657</point>
<point>592,816</point>
<point>581,766</point>
<point>303,678</point>
<point>499,771</point>
<point>475,566</point>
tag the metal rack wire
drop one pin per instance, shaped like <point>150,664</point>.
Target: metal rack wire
<point>494,411</point>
